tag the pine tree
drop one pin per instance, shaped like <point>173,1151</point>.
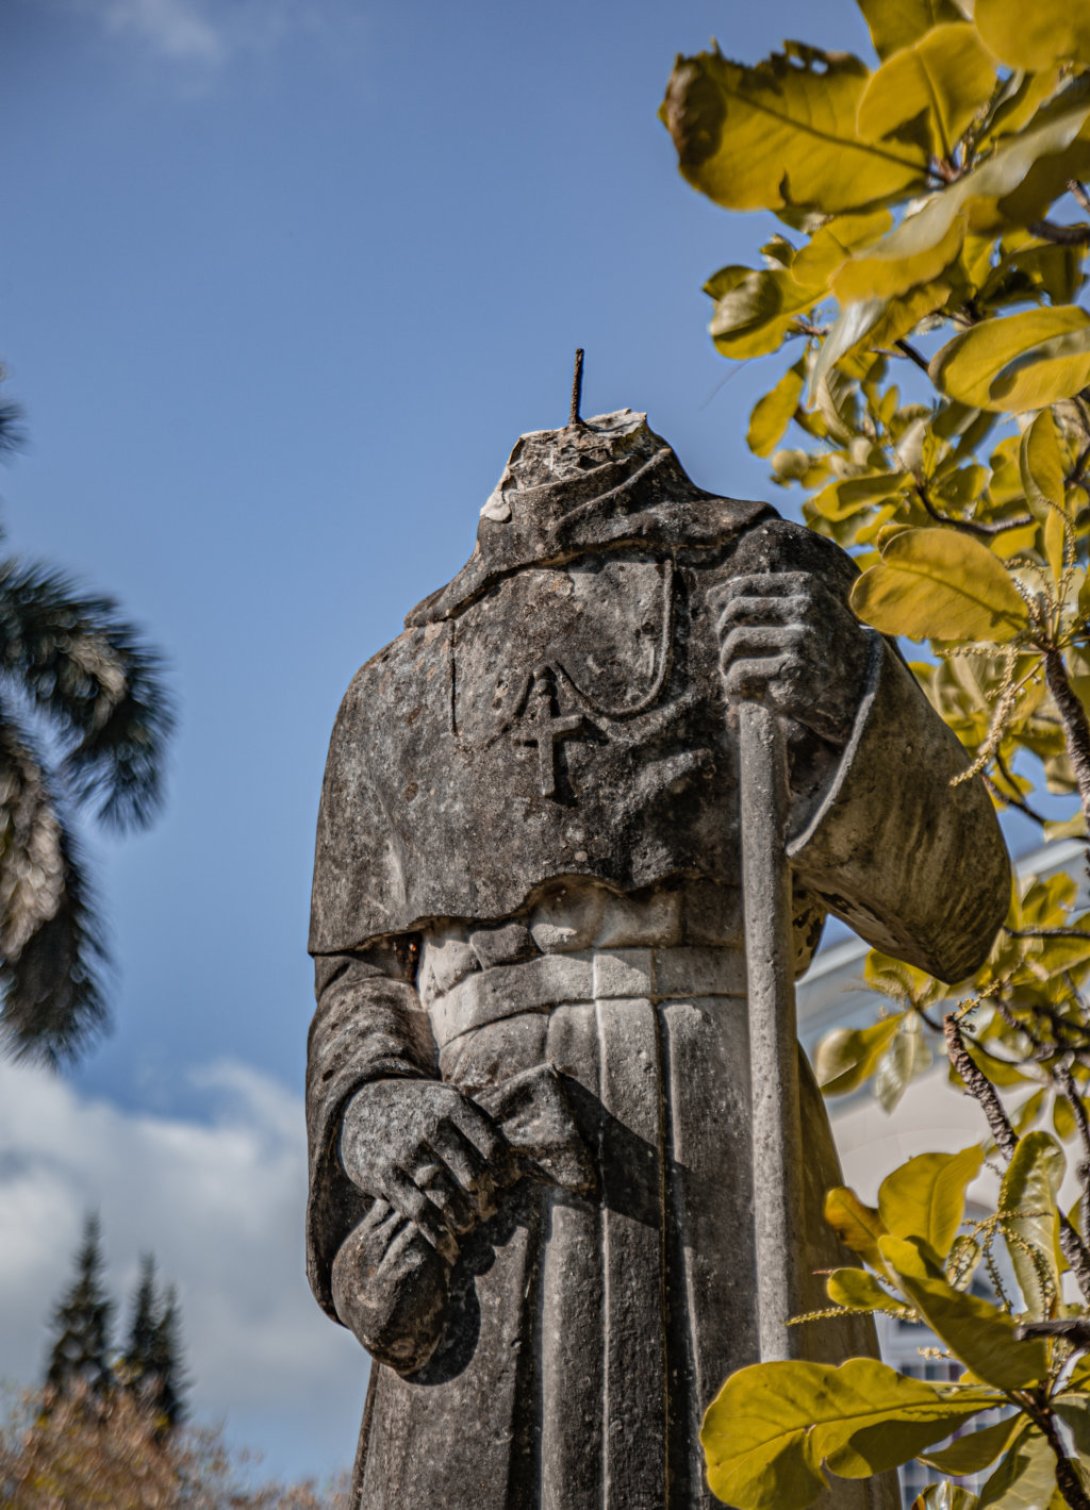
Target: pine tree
<point>151,1368</point>
<point>137,1357</point>
<point>166,1370</point>
<point>80,1353</point>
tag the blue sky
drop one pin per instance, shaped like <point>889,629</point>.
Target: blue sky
<point>281,284</point>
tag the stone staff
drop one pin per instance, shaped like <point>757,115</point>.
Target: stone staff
<point>773,1050</point>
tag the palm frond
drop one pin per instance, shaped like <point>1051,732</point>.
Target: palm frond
<point>12,434</point>
<point>51,950</point>
<point>89,671</point>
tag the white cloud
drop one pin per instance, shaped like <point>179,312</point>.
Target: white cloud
<point>220,1203</point>
<point>177,29</point>
<point>205,34</point>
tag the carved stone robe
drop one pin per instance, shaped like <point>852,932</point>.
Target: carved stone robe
<point>528,854</point>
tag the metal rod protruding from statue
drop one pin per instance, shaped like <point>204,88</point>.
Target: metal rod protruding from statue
<point>574,417</point>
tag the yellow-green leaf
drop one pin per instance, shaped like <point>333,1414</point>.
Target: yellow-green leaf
<point>897,23</point>
<point>879,322</point>
<point>781,134</point>
<point>1074,1411</point>
<point>846,1057</point>
<point>1013,185</point>
<point>755,308</point>
<point>1063,1119</point>
<point>979,1333</point>
<point>772,413</point>
<point>945,1496</point>
<point>1034,37</point>
<point>858,1226</point>
<point>973,1452</point>
<point>1030,1221</point>
<point>1041,466</point>
<point>1056,369</point>
<point>773,1425</point>
<point>857,1290</point>
<point>1025,1479</point>
<point>969,367</point>
<point>927,93</point>
<point>939,584</point>
<point>925,1198</point>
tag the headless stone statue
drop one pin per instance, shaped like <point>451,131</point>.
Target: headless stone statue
<point>528,1085</point>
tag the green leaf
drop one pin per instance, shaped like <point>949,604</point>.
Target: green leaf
<point>1041,466</point>
<point>938,584</point>
<point>772,413</point>
<point>781,134</point>
<point>973,1452</point>
<point>1030,1221</point>
<point>1034,37</point>
<point>925,1198</point>
<point>773,1425</point>
<point>970,367</point>
<point>856,1225</point>
<point>898,23</point>
<point>979,1333</point>
<point>927,93</point>
<point>857,1290</point>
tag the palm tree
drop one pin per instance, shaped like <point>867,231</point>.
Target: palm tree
<point>84,721</point>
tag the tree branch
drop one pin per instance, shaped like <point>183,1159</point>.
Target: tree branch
<point>1073,716</point>
<point>980,1088</point>
<point>1060,235</point>
<point>986,1096</point>
<point>1068,1480</point>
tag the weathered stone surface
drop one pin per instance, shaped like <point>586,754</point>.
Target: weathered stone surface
<point>529,1087</point>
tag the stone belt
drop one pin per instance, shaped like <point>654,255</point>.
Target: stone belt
<point>539,985</point>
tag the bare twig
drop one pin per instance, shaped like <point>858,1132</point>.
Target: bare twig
<point>1047,933</point>
<point>1015,802</point>
<point>908,350</point>
<point>1078,193</point>
<point>1060,235</point>
<point>972,526</point>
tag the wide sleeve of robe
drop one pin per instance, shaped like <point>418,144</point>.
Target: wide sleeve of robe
<point>902,846</point>
<point>369,1025</point>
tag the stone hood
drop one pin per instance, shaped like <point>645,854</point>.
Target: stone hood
<point>601,484</point>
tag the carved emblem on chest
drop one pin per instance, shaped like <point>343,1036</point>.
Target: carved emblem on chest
<point>546,729</point>
<point>559,654</point>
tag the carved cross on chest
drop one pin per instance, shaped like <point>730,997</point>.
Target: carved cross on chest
<point>546,728</point>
